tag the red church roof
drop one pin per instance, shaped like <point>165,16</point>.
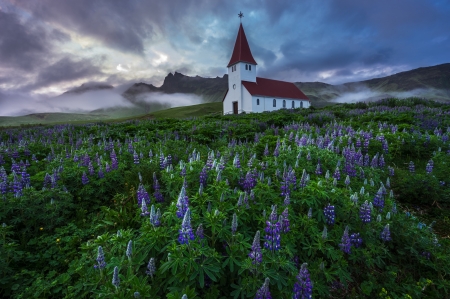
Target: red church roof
<point>274,88</point>
<point>241,52</point>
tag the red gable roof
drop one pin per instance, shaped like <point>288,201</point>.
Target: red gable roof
<point>241,52</point>
<point>274,88</point>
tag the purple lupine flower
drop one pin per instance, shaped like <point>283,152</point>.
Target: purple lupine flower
<point>256,253</point>
<point>347,181</point>
<point>155,216</point>
<point>144,208</point>
<point>303,286</point>
<point>186,233</point>
<point>273,229</point>
<point>135,157</point>
<point>263,292</point>
<point>266,150</point>
<point>285,222</point>
<point>429,167</point>
<point>411,167</point>
<point>142,195</point>
<point>276,152</point>
<point>116,279</point>
<point>309,213</point>
<point>378,200</point>
<point>157,194</point>
<point>84,178</point>
<point>151,268</point>
<point>329,213</point>
<point>356,240</point>
<point>203,176</point>
<point>324,232</point>
<point>236,161</point>
<point>200,232</point>
<point>234,224</point>
<point>337,174</point>
<point>391,171</point>
<point>287,200</point>
<point>386,234</point>
<point>318,168</point>
<point>364,212</point>
<point>101,175</point>
<point>129,251</point>
<point>101,264</point>
<point>345,244</point>
<point>182,203</point>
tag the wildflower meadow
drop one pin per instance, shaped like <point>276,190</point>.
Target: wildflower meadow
<point>347,201</point>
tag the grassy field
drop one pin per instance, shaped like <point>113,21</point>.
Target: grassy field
<point>188,111</point>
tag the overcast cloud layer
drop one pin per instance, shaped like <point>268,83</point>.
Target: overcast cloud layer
<point>48,46</point>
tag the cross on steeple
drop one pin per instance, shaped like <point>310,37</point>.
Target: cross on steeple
<point>240,15</point>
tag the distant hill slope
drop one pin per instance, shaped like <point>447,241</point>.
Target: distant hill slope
<point>210,89</point>
<point>434,80</point>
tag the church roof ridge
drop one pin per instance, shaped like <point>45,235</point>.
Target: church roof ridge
<point>241,51</point>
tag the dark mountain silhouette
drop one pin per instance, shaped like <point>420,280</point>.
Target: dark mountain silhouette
<point>210,89</point>
<point>90,86</point>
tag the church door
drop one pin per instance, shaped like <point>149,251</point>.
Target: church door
<point>235,107</point>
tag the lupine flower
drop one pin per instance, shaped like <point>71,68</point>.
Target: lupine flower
<point>142,195</point>
<point>337,174</point>
<point>287,200</point>
<point>273,229</point>
<point>303,286</point>
<point>379,218</point>
<point>151,268</point>
<point>378,201</point>
<point>310,213</point>
<point>345,242</point>
<point>356,240</point>
<point>184,297</point>
<point>129,251</point>
<point>429,168</point>
<point>155,217</point>
<point>200,233</point>
<point>364,212</point>
<point>144,209</point>
<point>391,171</point>
<point>263,292</point>
<point>411,167</point>
<point>203,176</point>
<point>84,178</point>
<point>256,253</point>
<point>388,215</point>
<point>324,232</point>
<point>234,224</point>
<point>329,214</point>
<point>186,232</point>
<point>347,180</point>
<point>266,150</point>
<point>101,264</point>
<point>137,295</point>
<point>285,221</point>
<point>182,203</point>
<point>116,279</point>
<point>386,234</point>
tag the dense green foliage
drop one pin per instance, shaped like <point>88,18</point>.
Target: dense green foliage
<point>55,223</point>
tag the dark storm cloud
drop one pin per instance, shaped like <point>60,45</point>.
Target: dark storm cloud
<point>66,69</point>
<point>22,45</point>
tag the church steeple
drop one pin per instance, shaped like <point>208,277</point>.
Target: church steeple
<point>241,52</point>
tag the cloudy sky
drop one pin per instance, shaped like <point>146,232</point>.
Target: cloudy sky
<point>49,46</point>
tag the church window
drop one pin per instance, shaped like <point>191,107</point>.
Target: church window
<point>274,102</point>
<point>293,104</point>
<point>249,67</point>
<point>301,104</point>
<point>246,67</point>
<point>257,101</point>
<point>284,103</point>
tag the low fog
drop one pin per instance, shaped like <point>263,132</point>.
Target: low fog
<point>365,94</point>
<point>17,104</point>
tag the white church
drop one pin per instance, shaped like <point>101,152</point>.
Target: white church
<point>248,93</point>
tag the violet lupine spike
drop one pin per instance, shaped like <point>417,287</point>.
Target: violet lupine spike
<point>264,292</point>
<point>347,181</point>
<point>273,229</point>
<point>234,224</point>
<point>303,286</point>
<point>337,174</point>
<point>285,221</point>
<point>151,267</point>
<point>144,208</point>
<point>182,203</point>
<point>411,167</point>
<point>345,244</point>
<point>329,214</point>
<point>256,253</point>
<point>203,176</point>
<point>116,279</point>
<point>386,234</point>
<point>378,201</point>
<point>186,233</point>
<point>356,240</point>
<point>200,232</point>
<point>84,178</point>
<point>365,212</point>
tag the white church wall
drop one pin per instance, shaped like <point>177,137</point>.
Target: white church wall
<point>246,74</point>
<point>256,107</point>
<point>246,100</point>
